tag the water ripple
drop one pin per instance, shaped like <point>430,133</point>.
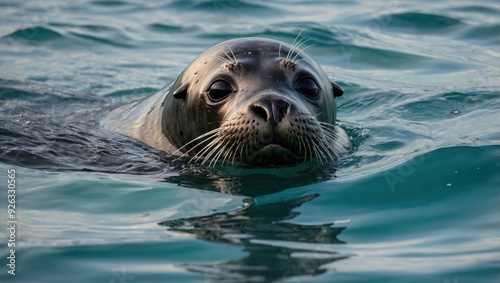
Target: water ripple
<point>35,34</point>
<point>421,22</point>
<point>171,28</point>
<point>487,34</point>
<point>416,199</point>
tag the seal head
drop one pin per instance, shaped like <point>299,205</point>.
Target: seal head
<point>254,102</point>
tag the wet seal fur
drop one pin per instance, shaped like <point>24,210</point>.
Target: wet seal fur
<point>246,102</point>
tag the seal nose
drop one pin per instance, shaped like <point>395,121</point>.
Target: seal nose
<point>271,110</point>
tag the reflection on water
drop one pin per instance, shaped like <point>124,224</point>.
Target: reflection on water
<point>247,181</point>
<point>275,249</point>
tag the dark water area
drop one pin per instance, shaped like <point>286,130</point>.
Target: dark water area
<point>416,200</point>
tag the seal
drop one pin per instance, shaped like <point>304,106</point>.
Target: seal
<point>246,102</point>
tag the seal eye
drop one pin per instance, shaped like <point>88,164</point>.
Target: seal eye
<point>219,90</point>
<point>308,87</point>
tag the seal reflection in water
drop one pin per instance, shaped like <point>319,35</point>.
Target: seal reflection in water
<point>247,102</point>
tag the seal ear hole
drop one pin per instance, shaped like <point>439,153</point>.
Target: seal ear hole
<point>337,90</point>
<point>219,90</point>
<point>308,87</point>
<point>181,133</point>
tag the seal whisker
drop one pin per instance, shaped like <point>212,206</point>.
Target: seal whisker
<point>320,151</point>
<point>336,147</point>
<point>234,57</point>
<point>309,149</point>
<point>330,144</point>
<point>227,152</point>
<point>198,156</point>
<point>317,154</point>
<point>241,151</point>
<point>232,154</point>
<point>329,127</point>
<point>194,147</point>
<point>332,133</point>
<point>206,148</point>
<point>227,61</point>
<point>248,147</point>
<point>293,44</point>
<point>328,154</point>
<point>297,49</point>
<point>209,134</point>
<point>317,115</point>
<point>326,148</point>
<point>300,52</point>
<point>235,152</point>
<point>208,157</point>
<point>302,143</point>
<point>203,158</point>
<point>230,60</point>
<point>214,149</point>
<point>326,124</point>
<point>213,161</point>
<point>217,156</point>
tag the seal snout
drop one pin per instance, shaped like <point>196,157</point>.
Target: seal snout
<point>270,109</point>
<point>273,112</point>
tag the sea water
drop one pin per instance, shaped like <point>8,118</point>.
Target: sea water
<point>417,199</point>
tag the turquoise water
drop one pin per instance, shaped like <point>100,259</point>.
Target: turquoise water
<point>417,200</point>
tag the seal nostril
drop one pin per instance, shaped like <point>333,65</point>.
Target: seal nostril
<point>271,110</point>
<point>283,110</point>
<point>259,111</point>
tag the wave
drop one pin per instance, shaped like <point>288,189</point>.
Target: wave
<point>224,7</point>
<point>477,9</point>
<point>109,3</point>
<point>171,28</point>
<point>117,40</point>
<point>485,34</point>
<point>35,34</point>
<point>419,22</point>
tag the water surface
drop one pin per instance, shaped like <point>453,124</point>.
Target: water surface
<point>415,201</point>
